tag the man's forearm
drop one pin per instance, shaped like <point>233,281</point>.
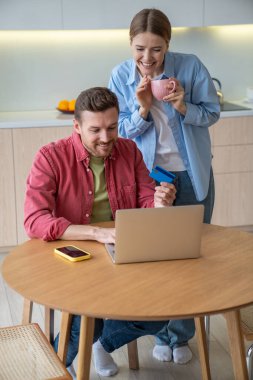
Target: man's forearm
<point>88,232</point>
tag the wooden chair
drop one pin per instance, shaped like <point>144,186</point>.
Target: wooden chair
<point>26,354</point>
<point>133,358</point>
<point>49,318</point>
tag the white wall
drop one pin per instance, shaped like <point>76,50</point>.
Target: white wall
<point>38,68</point>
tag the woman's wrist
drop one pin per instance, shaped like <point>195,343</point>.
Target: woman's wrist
<point>143,112</point>
<point>183,108</point>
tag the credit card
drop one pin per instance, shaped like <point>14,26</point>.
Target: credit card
<point>161,175</point>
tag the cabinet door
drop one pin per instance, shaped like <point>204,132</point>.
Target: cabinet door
<point>228,12</point>
<point>232,131</point>
<point>233,199</point>
<point>232,140</point>
<point>7,194</point>
<point>110,14</point>
<point>27,14</point>
<point>26,142</point>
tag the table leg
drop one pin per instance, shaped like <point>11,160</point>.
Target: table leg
<point>49,324</point>
<point>66,320</point>
<point>27,312</point>
<point>85,347</point>
<point>202,347</point>
<point>236,344</point>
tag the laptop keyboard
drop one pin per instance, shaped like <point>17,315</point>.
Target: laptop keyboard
<point>111,250</point>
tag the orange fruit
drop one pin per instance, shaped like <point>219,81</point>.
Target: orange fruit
<point>63,105</point>
<point>72,104</point>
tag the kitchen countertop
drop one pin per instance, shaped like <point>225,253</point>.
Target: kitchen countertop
<point>33,119</point>
<point>54,118</point>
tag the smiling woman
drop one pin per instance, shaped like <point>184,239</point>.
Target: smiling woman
<point>167,130</point>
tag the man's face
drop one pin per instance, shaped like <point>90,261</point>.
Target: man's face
<point>98,131</point>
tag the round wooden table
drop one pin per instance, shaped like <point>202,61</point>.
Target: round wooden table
<point>220,281</point>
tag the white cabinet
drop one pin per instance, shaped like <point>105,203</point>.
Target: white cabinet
<point>117,14</point>
<point>30,14</point>
<point>228,12</point>
<point>112,14</point>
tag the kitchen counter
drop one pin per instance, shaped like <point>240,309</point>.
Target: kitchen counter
<point>238,113</point>
<point>32,119</point>
<point>54,118</point>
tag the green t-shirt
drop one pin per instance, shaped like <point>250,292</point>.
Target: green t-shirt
<point>101,211</point>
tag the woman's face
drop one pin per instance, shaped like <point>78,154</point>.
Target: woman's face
<point>148,52</point>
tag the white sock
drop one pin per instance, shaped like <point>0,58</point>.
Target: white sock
<point>72,371</point>
<point>104,363</point>
<point>162,353</point>
<point>182,355</point>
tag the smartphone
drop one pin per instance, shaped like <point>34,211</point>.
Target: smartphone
<point>72,253</point>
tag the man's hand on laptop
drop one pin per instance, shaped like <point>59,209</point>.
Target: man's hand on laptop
<point>105,235</point>
<point>165,195</point>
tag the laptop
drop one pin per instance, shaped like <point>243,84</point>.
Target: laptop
<point>154,234</point>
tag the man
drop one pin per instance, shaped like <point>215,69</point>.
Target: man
<point>84,179</point>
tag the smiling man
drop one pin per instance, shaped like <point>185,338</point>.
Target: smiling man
<point>87,176</point>
<point>84,179</point>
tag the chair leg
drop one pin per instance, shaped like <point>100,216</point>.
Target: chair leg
<point>207,328</point>
<point>202,347</point>
<point>49,324</point>
<point>133,358</point>
<point>237,349</point>
<point>66,320</point>
<point>27,312</point>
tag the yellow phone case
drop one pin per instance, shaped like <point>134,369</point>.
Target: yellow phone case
<point>86,255</point>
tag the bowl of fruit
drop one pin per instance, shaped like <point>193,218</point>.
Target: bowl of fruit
<point>66,106</point>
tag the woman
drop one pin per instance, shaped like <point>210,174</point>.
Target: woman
<point>172,133</point>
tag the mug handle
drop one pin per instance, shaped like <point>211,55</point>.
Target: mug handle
<point>173,86</point>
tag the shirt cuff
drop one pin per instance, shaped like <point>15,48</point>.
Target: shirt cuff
<point>56,229</point>
<point>141,123</point>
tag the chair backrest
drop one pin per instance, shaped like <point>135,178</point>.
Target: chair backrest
<point>26,354</point>
<point>247,322</point>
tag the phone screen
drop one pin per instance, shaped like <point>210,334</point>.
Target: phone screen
<point>72,251</point>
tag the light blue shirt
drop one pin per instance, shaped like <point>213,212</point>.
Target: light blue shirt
<point>190,131</point>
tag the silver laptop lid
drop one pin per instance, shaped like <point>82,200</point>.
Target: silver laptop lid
<point>158,234</point>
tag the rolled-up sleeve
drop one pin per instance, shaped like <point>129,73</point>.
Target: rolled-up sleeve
<point>40,198</point>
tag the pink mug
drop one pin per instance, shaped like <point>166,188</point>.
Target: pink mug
<point>159,87</point>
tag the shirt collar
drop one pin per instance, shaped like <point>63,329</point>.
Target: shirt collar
<point>169,66</point>
<point>133,74</point>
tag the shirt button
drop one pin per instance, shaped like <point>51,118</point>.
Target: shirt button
<point>87,215</point>
<point>90,192</point>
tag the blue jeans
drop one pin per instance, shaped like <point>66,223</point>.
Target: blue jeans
<point>111,333</point>
<point>177,332</point>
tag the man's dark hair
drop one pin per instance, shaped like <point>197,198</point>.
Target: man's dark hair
<point>95,99</point>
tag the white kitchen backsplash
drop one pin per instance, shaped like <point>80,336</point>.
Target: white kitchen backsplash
<point>38,68</point>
